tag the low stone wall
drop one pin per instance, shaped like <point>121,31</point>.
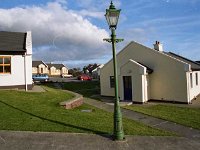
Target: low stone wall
<point>73,103</point>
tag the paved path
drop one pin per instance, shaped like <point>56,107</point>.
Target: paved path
<point>66,141</point>
<point>148,120</point>
<point>19,140</point>
<point>37,88</point>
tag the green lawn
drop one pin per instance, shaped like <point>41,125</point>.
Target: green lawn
<point>22,111</point>
<point>86,88</point>
<point>181,115</point>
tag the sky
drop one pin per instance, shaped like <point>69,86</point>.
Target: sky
<point>72,31</point>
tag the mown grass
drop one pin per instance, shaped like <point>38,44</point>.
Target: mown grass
<point>22,111</point>
<point>186,116</point>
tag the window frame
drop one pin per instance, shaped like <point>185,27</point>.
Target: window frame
<point>197,78</point>
<point>191,80</point>
<point>3,57</point>
<point>112,82</point>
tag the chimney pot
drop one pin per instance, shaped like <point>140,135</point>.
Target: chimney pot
<point>158,46</point>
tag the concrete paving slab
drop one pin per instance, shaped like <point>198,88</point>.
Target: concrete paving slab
<point>37,88</point>
<point>162,124</point>
<point>10,140</point>
<point>148,120</point>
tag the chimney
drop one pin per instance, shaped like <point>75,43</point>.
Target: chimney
<point>158,46</point>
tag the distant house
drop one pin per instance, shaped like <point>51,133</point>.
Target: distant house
<point>15,60</point>
<point>57,69</point>
<point>96,71</point>
<point>152,74</point>
<point>93,70</point>
<point>39,67</point>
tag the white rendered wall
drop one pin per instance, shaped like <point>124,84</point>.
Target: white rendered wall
<point>138,76</point>
<point>17,75</point>
<point>29,69</point>
<point>29,43</point>
<point>194,90</point>
<point>168,80</point>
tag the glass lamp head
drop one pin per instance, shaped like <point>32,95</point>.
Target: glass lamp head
<point>112,16</point>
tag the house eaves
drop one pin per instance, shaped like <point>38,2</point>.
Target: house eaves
<point>148,70</point>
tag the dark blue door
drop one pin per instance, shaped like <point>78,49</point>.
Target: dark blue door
<point>127,88</point>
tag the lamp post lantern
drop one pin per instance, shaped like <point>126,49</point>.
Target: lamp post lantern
<point>112,16</point>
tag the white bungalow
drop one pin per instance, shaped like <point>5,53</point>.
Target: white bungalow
<point>15,60</point>
<point>152,74</point>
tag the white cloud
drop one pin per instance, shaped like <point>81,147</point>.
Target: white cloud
<point>59,34</point>
<point>94,14</point>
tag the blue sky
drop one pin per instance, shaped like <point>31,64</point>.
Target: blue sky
<point>71,31</point>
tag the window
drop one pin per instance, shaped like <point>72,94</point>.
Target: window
<point>112,82</point>
<point>5,64</point>
<point>191,80</point>
<point>197,79</point>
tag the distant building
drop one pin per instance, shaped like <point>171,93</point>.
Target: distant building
<point>57,69</point>
<point>151,74</point>
<point>15,60</point>
<point>96,71</point>
<point>93,70</point>
<point>39,67</point>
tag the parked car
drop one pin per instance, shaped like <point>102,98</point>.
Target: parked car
<point>66,76</point>
<point>40,77</point>
<point>84,77</point>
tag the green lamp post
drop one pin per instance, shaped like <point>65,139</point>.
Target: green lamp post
<point>112,16</point>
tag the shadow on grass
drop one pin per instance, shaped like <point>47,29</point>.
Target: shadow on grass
<point>86,88</point>
<point>103,134</point>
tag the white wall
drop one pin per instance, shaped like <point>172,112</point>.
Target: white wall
<point>105,74</point>
<point>29,69</point>
<point>138,76</point>
<point>168,80</point>
<point>194,88</point>
<point>29,43</point>
<point>17,76</point>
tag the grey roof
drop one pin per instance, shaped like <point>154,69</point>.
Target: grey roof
<point>37,63</point>
<point>57,66</point>
<point>194,65</point>
<point>198,62</point>
<point>12,41</point>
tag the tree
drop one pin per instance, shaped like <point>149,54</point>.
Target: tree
<point>90,68</point>
<point>75,72</point>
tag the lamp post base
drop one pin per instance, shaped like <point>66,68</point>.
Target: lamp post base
<point>119,137</point>
<point>118,127</point>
